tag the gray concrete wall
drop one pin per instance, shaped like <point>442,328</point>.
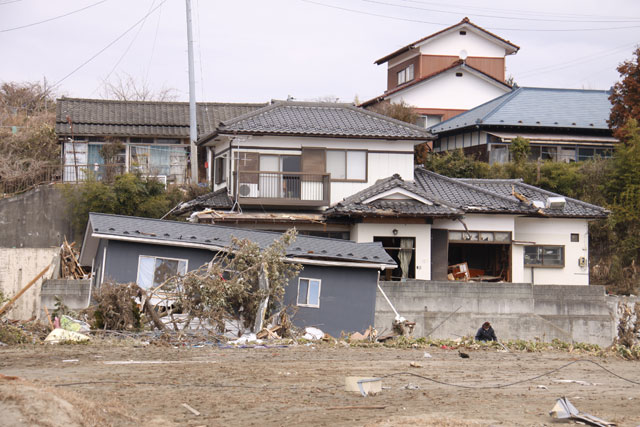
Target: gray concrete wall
<point>347,299</point>
<point>17,268</point>
<point>34,219</point>
<point>74,294</point>
<point>516,310</point>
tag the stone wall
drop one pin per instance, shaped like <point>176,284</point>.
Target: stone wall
<point>516,310</point>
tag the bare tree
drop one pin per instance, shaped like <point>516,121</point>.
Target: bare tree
<point>128,88</point>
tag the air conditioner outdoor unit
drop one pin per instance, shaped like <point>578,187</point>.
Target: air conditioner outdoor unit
<point>248,190</point>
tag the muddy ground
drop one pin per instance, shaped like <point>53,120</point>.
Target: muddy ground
<point>302,385</point>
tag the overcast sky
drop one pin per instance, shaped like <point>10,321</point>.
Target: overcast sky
<point>257,50</point>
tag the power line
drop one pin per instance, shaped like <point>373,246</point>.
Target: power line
<point>131,43</point>
<point>153,47</point>
<point>9,1</point>
<point>490,28</point>
<point>494,16</point>
<point>519,11</point>
<point>107,46</point>
<point>51,19</point>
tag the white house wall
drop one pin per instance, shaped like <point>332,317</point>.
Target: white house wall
<point>452,43</point>
<point>447,91</point>
<point>385,157</point>
<point>545,231</point>
<point>365,232</point>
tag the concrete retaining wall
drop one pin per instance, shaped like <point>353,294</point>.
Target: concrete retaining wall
<point>34,219</point>
<point>516,310</point>
<point>73,293</point>
<point>17,268</point>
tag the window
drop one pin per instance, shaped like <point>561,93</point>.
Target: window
<point>309,292</point>
<point>346,165</point>
<point>575,237</point>
<point>153,271</point>
<point>480,236</point>
<point>220,170</point>
<point>544,256</point>
<point>428,120</point>
<point>405,75</point>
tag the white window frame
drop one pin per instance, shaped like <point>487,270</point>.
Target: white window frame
<point>405,75</point>
<point>309,279</point>
<point>186,267</point>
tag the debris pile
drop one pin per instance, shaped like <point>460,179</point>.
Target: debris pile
<point>69,266</point>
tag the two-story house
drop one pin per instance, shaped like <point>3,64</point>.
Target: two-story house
<point>300,158</point>
<point>448,72</point>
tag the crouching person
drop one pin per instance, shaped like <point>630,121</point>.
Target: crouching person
<point>486,333</point>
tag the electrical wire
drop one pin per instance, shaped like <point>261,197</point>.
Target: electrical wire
<point>153,47</point>
<point>8,2</point>
<point>490,28</point>
<point>517,11</point>
<point>106,47</point>
<point>514,382</point>
<point>498,16</point>
<point>51,19</point>
<point>131,43</point>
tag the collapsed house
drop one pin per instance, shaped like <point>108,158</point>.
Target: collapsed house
<point>336,290</point>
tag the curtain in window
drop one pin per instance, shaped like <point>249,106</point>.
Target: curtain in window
<point>356,165</point>
<point>404,255</point>
<point>146,267</point>
<point>159,162</point>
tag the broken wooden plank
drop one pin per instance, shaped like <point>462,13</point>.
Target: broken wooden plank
<point>193,411</point>
<point>24,289</point>
<point>356,407</point>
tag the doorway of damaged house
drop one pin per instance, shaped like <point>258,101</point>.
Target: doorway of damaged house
<point>402,250</point>
<point>487,255</point>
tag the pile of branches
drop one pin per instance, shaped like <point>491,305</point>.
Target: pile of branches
<point>229,289</point>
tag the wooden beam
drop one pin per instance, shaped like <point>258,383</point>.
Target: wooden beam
<point>23,290</point>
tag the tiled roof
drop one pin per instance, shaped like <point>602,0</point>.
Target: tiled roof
<point>537,107</point>
<point>320,119</point>
<point>355,205</point>
<point>460,64</point>
<point>505,187</point>
<point>99,117</point>
<point>464,22</point>
<point>156,231</point>
<point>215,200</point>
<point>496,196</point>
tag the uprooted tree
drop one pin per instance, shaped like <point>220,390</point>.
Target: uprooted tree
<point>236,282</point>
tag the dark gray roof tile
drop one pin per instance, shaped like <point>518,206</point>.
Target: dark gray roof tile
<point>165,232</point>
<point>102,117</point>
<point>321,119</point>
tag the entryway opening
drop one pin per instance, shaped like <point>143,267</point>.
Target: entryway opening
<point>403,252</point>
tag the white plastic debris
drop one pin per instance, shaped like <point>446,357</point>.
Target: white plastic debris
<point>312,333</point>
<point>427,355</point>
<point>60,335</point>
<point>246,338</point>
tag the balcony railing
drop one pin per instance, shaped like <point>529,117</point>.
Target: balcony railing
<point>283,188</point>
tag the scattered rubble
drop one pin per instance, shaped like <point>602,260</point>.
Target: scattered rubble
<point>563,409</point>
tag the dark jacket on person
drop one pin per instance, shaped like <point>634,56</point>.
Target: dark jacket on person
<point>486,334</point>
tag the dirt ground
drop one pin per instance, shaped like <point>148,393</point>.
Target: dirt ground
<point>74,385</point>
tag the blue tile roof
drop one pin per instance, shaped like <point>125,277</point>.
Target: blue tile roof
<point>537,107</point>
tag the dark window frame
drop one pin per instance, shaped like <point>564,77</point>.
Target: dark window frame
<point>541,249</point>
<point>346,165</point>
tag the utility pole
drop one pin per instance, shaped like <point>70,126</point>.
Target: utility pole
<point>193,125</point>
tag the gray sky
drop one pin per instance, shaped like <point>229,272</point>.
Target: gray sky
<point>257,50</point>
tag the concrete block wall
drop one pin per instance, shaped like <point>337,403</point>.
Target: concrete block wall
<point>18,266</point>
<point>74,294</point>
<point>37,218</point>
<point>516,310</point>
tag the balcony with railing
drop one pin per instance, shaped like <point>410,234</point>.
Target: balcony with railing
<point>283,188</point>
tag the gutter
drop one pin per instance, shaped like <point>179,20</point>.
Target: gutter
<point>224,249</point>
